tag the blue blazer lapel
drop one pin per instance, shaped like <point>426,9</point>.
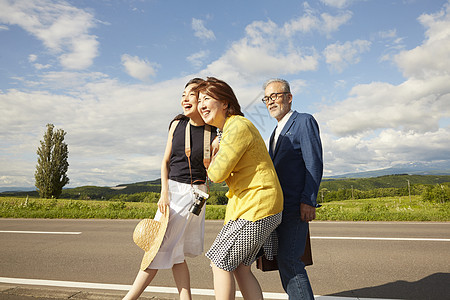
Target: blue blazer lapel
<point>271,142</point>
<point>286,128</point>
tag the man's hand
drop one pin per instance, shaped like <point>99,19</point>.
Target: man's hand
<point>307,212</point>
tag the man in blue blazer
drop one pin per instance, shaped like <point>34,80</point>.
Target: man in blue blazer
<point>296,152</point>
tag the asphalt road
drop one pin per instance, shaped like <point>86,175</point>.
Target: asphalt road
<point>393,260</point>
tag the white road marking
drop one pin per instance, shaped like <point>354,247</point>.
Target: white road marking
<point>378,238</point>
<point>154,289</point>
<point>312,237</point>
<point>38,232</point>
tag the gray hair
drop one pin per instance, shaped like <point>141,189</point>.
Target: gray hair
<point>285,84</point>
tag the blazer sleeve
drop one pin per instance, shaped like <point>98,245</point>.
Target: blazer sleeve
<point>311,148</point>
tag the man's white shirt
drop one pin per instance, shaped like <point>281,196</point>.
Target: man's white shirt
<point>279,128</point>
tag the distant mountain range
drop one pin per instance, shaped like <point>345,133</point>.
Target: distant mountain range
<point>410,169</point>
<point>17,189</point>
<point>442,168</point>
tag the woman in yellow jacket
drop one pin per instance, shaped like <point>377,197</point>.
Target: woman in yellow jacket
<point>255,197</point>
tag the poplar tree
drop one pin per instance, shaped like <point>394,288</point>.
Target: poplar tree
<point>51,169</point>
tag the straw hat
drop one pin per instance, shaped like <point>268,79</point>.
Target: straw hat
<point>148,235</point>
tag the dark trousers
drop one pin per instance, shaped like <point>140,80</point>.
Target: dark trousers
<point>292,234</point>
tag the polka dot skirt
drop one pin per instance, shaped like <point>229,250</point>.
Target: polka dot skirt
<point>240,240</point>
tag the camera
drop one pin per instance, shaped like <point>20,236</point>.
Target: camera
<point>199,200</point>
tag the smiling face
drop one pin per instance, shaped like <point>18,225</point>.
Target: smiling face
<point>213,111</point>
<point>189,101</point>
<point>282,105</point>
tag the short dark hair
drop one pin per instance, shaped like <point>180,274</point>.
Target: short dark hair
<point>196,80</point>
<point>221,91</point>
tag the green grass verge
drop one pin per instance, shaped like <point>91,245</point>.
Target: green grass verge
<point>14,207</point>
<point>378,209</point>
<point>385,209</point>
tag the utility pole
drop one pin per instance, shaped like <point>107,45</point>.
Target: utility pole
<point>409,190</point>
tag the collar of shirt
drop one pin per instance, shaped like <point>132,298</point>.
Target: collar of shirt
<point>280,127</point>
<point>284,120</point>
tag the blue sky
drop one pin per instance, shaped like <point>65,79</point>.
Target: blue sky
<point>375,74</point>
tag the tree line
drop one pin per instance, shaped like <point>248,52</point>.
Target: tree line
<point>429,192</point>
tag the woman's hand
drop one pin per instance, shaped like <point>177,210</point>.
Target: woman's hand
<point>215,146</point>
<point>163,202</point>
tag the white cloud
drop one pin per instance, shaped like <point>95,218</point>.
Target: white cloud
<point>120,129</point>
<point>393,44</point>
<point>390,147</point>
<point>339,55</point>
<point>262,53</point>
<point>197,59</point>
<point>308,22</point>
<point>313,21</point>
<point>41,66</point>
<point>32,58</point>
<point>414,146</point>
<point>381,124</point>
<point>259,33</point>
<point>201,31</point>
<point>337,3</point>
<point>340,83</point>
<point>61,27</point>
<point>80,54</point>
<point>388,34</point>
<point>297,85</point>
<point>414,105</point>
<point>138,68</point>
<point>433,56</point>
<point>333,23</point>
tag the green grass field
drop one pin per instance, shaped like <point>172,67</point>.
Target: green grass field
<point>385,209</point>
<point>378,209</point>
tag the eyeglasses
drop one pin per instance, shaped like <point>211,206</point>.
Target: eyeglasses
<point>273,96</point>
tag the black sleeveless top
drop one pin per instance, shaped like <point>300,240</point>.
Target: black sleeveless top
<point>178,163</point>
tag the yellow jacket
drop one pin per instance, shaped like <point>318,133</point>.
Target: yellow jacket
<point>245,165</point>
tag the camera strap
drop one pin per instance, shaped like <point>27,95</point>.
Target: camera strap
<point>206,146</point>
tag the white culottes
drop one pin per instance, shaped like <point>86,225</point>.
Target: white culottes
<point>185,231</point>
